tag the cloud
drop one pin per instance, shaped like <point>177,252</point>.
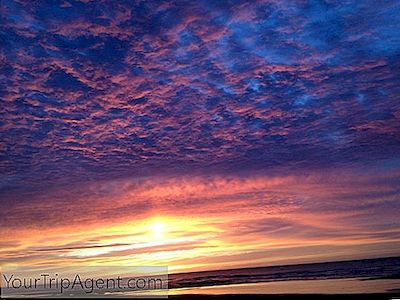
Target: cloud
<point>243,215</point>
<point>279,116</point>
<point>96,92</point>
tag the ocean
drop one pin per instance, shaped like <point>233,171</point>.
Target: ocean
<point>378,275</point>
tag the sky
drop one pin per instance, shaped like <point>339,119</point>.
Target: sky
<point>199,134</point>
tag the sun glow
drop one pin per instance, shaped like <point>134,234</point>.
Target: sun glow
<point>161,240</point>
<point>158,229</point>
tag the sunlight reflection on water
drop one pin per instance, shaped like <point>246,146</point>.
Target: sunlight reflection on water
<point>328,286</point>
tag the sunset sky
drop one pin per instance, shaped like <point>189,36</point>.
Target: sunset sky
<point>199,135</point>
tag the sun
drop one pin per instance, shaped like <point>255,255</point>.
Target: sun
<point>158,229</point>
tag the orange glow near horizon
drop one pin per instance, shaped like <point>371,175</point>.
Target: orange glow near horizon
<point>220,224</point>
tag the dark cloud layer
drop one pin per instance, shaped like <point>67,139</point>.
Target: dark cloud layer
<point>98,89</point>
